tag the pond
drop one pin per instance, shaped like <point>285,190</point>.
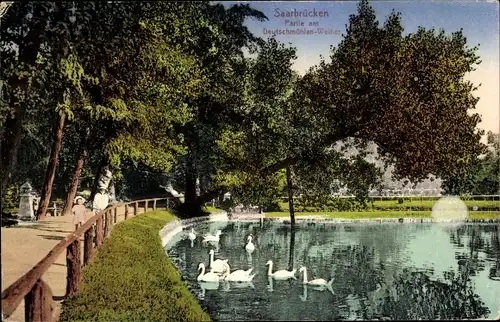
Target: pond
<point>383,271</point>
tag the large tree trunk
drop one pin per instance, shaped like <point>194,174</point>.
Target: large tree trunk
<point>290,195</point>
<point>191,206</point>
<point>73,187</point>
<point>51,167</point>
<point>337,135</point>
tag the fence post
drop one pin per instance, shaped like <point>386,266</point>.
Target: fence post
<point>154,204</point>
<point>126,211</point>
<point>99,232</point>
<point>55,209</point>
<point>74,267</point>
<point>167,203</point>
<point>145,206</point>
<point>87,246</point>
<point>106,223</point>
<point>135,208</point>
<point>38,303</point>
<point>115,213</point>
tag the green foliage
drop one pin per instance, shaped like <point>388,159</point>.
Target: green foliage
<point>262,191</point>
<point>410,204</point>
<point>131,279</point>
<point>10,200</point>
<point>139,181</point>
<point>319,177</point>
<point>166,85</point>
<point>480,177</point>
<point>313,203</point>
<point>378,86</point>
<point>474,215</point>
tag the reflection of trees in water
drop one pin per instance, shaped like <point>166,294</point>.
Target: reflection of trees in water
<point>416,296</point>
<point>356,270</point>
<point>495,249</point>
<point>476,239</point>
<point>291,249</point>
<point>389,240</point>
<point>366,263</point>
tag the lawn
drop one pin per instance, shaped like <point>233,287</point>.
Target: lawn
<point>415,204</point>
<point>211,209</point>
<point>381,214</point>
<point>131,279</point>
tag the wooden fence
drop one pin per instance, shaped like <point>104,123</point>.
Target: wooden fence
<point>36,293</point>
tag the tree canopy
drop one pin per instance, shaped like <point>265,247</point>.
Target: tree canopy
<point>186,91</point>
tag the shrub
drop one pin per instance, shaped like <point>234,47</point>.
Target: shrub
<point>131,279</point>
<point>400,200</point>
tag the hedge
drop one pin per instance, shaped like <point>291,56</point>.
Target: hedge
<point>132,279</point>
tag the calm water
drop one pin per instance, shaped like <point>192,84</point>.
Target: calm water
<point>380,271</point>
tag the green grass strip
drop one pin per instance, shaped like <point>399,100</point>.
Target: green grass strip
<point>131,279</point>
<point>419,205</point>
<point>381,214</point>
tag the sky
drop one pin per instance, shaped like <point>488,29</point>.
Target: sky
<point>478,19</point>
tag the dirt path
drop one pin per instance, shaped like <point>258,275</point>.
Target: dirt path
<point>24,246</point>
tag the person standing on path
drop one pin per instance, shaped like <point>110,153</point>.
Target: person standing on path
<point>101,201</point>
<point>79,211</point>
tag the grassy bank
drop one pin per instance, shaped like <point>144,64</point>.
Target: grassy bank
<point>131,279</point>
<point>381,214</point>
<point>413,205</point>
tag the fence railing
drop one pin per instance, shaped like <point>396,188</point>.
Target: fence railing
<point>36,293</point>
<point>411,197</point>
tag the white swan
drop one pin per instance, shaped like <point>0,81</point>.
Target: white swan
<point>217,266</point>
<point>280,275</point>
<point>250,247</point>
<point>238,272</point>
<point>238,275</point>
<point>314,282</point>
<point>320,283</point>
<point>208,277</point>
<point>192,234</point>
<point>212,238</point>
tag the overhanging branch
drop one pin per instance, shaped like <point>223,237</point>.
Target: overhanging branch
<point>268,170</point>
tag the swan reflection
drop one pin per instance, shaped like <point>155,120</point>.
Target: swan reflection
<point>207,286</point>
<point>214,244</point>
<point>303,297</point>
<point>322,288</point>
<point>226,285</point>
<point>270,284</point>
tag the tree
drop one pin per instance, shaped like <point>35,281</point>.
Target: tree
<point>137,97</point>
<point>388,88</point>
<point>482,176</point>
<point>23,31</point>
<point>219,53</point>
<point>253,132</point>
<point>487,181</point>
